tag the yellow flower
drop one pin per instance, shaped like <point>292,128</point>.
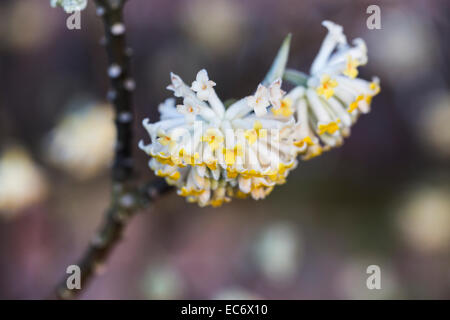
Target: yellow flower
<point>351,67</point>
<point>164,140</point>
<point>285,108</point>
<point>185,192</point>
<point>188,158</point>
<point>213,139</point>
<point>306,140</point>
<point>354,104</point>
<point>231,154</point>
<point>172,175</point>
<point>375,87</point>
<point>326,87</point>
<point>257,132</point>
<point>330,128</point>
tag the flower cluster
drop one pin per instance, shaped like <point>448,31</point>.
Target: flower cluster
<point>69,5</point>
<point>212,153</point>
<point>328,101</point>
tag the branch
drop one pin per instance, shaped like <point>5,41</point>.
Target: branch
<point>121,85</point>
<point>110,233</point>
<point>127,199</point>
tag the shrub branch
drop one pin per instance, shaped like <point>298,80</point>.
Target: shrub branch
<point>127,198</point>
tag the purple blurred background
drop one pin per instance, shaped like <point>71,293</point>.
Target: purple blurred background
<point>383,198</point>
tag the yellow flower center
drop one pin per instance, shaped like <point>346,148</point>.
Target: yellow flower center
<point>285,108</point>
<point>185,192</point>
<point>375,87</point>
<point>326,87</point>
<point>231,154</point>
<point>213,140</point>
<point>351,67</point>
<point>354,104</point>
<point>188,158</point>
<point>329,128</point>
<point>257,132</point>
<point>301,142</point>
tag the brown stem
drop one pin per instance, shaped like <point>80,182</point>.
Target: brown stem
<point>127,199</point>
<point>110,232</point>
<point>121,85</point>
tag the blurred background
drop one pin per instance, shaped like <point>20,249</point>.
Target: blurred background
<point>383,198</point>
